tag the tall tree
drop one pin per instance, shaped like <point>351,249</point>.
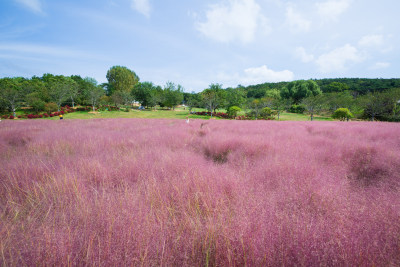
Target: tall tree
<point>60,89</point>
<point>121,79</point>
<point>11,93</point>
<point>313,104</point>
<point>173,95</point>
<point>214,97</point>
<point>93,92</point>
<point>235,97</point>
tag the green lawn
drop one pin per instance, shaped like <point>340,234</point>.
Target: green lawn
<point>172,114</point>
<point>302,117</point>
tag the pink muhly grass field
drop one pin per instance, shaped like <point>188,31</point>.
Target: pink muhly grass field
<point>115,192</point>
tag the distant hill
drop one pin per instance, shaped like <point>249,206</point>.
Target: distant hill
<point>359,85</point>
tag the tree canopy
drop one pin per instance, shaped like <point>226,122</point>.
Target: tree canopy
<point>121,79</point>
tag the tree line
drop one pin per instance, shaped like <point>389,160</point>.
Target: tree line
<point>374,99</point>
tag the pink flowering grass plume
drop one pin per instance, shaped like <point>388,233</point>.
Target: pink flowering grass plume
<point>130,192</point>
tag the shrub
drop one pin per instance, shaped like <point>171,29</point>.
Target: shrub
<point>342,114</point>
<point>233,111</point>
<point>50,107</point>
<point>11,117</point>
<point>297,109</point>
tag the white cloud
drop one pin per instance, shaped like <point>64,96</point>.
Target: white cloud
<point>371,40</point>
<point>380,65</point>
<point>33,5</point>
<point>332,9</point>
<point>256,75</point>
<point>296,21</point>
<point>301,53</point>
<point>234,20</point>
<point>142,6</point>
<point>338,59</point>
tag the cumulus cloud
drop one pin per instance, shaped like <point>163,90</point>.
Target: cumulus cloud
<point>371,40</point>
<point>338,59</point>
<point>256,75</point>
<point>33,5</point>
<point>142,6</point>
<point>235,20</point>
<point>296,21</point>
<point>301,53</point>
<point>332,9</point>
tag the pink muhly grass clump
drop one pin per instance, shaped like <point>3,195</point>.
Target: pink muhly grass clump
<point>227,193</point>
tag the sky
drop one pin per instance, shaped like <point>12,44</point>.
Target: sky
<point>199,42</point>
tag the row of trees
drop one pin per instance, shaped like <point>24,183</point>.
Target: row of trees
<point>124,88</point>
<point>303,96</point>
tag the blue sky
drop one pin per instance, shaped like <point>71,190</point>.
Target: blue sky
<point>196,43</point>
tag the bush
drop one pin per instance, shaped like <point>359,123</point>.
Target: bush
<point>11,117</point>
<point>342,114</point>
<point>297,109</point>
<point>233,111</point>
<point>50,107</point>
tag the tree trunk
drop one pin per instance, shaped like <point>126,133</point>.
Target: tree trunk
<point>312,116</point>
<point>93,107</point>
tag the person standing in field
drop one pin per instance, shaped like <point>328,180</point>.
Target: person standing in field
<point>61,116</point>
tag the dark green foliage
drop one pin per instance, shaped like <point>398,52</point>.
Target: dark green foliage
<point>297,109</point>
<point>361,86</point>
<point>235,97</point>
<point>381,106</point>
<point>297,90</point>
<point>214,97</point>
<point>172,95</point>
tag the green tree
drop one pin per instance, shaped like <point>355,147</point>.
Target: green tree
<point>213,97</point>
<point>380,106</point>
<point>256,107</point>
<point>34,100</point>
<point>313,104</point>
<point>121,79</point>
<point>11,93</point>
<point>121,98</point>
<point>297,90</point>
<point>60,89</point>
<point>235,97</point>
<point>233,111</point>
<point>193,100</point>
<point>173,95</point>
<point>280,105</point>
<point>145,94</point>
<point>93,92</point>
<point>342,114</point>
